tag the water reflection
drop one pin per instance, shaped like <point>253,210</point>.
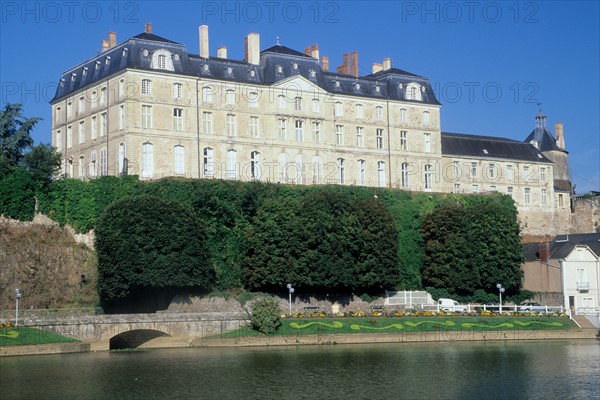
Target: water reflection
<point>512,370</point>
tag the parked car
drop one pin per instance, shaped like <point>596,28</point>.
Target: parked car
<point>531,306</point>
<point>450,305</point>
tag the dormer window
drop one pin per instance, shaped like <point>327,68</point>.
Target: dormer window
<point>97,65</point>
<point>107,60</point>
<point>413,92</point>
<point>161,59</point>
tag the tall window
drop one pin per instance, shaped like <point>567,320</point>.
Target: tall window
<point>359,110</point>
<point>403,140</point>
<point>69,109</point>
<point>231,164</point>
<point>57,114</point>
<point>207,123</point>
<point>230,97</point>
<point>527,195</point>
<point>81,132</point>
<point>255,165</point>
<point>58,140</point>
<point>178,119</point>
<point>121,157</point>
<point>381,173</point>
<point>316,106</point>
<point>474,188</point>
<point>403,115</point>
<point>208,162</point>
<point>81,166</point>
<point>379,113</point>
<point>543,174</point>
<point>456,188</point>
<point>491,171</point>
<point>94,99</point>
<point>254,130</point>
<point>94,127</point>
<point>338,108</point>
<point>298,104</point>
<point>428,177</point>
<point>103,95</point>
<point>404,172</point>
<point>121,88</point>
<point>510,172</point>
<point>207,94</point>
<point>379,136</point>
<point>146,116</point>
<point>147,160</point>
<point>283,161</point>
<point>103,162</point>
<point>162,61</point>
<point>299,130</point>
<point>146,87</point>
<point>425,117</point>
<point>526,175</point>
<point>179,160</point>
<point>560,200</point>
<point>360,136</point>
<point>341,164</point>
<point>316,127</point>
<point>121,117</point>
<point>339,135</point>
<point>81,106</point>
<point>69,136</point>
<point>281,101</point>
<point>177,90</point>
<point>281,124</point>
<point>317,168</point>
<point>231,125</point>
<point>103,124</point>
<point>456,169</point>
<point>93,168</point>
<point>361,172</point>
<point>473,170</point>
<point>544,197</point>
<point>427,142</point>
<point>300,170</point>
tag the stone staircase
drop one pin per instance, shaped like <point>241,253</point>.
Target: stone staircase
<point>583,322</point>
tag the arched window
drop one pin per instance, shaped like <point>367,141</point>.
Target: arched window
<point>381,173</point>
<point>413,91</point>
<point>361,164</point>
<point>179,160</point>
<point>405,175</point>
<point>255,165</point>
<point>283,161</point>
<point>231,164</point>
<point>208,162</point>
<point>317,169</point>
<point>428,177</point>
<point>121,158</point>
<point>147,160</point>
<point>341,164</point>
<point>300,170</point>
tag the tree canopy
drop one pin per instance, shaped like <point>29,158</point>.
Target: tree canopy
<point>15,133</point>
<point>147,245</point>
<point>472,248</point>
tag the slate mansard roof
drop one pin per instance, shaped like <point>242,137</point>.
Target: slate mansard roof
<point>489,147</point>
<point>562,245</point>
<point>276,63</point>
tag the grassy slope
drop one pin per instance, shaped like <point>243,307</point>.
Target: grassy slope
<point>312,326</point>
<point>24,335</point>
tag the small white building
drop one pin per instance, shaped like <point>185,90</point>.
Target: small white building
<point>579,257</point>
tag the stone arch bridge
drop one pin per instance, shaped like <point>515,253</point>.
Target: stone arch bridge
<point>105,332</point>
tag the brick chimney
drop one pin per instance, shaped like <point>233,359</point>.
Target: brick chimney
<point>560,137</point>
<point>387,64</point>
<point>325,63</point>
<point>376,68</point>
<point>105,45</point>
<point>222,52</point>
<point>314,51</point>
<point>148,27</point>
<point>252,48</point>
<point>544,252</point>
<point>355,64</point>
<point>203,38</point>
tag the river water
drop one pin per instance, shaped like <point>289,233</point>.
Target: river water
<point>492,370</point>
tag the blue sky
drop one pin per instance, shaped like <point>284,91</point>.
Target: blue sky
<point>490,62</point>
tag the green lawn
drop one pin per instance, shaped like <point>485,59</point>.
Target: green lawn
<point>23,335</point>
<point>323,326</point>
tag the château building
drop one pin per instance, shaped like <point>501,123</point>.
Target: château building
<point>148,107</point>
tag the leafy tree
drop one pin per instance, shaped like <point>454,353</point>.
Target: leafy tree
<point>147,246</point>
<point>17,199</point>
<point>266,315</point>
<point>471,248</point>
<point>15,133</point>
<point>43,163</point>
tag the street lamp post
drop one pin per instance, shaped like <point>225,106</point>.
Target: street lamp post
<point>290,290</point>
<point>500,291</point>
<point>18,296</point>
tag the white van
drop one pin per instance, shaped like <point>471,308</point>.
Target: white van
<point>450,305</point>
